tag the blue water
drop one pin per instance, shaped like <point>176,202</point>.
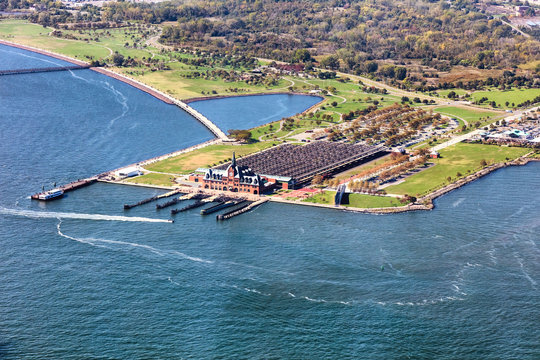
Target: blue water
<point>246,112</point>
<point>12,58</point>
<point>280,282</point>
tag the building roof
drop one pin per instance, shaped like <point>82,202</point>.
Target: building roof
<point>245,175</point>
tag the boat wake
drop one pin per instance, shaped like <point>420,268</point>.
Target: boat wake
<point>458,202</point>
<point>63,215</point>
<point>121,99</point>
<point>109,244</point>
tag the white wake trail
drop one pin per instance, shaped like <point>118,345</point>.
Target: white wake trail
<point>64,215</point>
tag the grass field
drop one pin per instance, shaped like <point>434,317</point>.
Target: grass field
<point>326,197</point>
<point>37,36</point>
<point>205,157</point>
<point>369,201</point>
<point>172,82</point>
<point>86,47</point>
<point>153,179</point>
<point>514,96</point>
<point>445,92</point>
<point>462,158</point>
<point>470,115</point>
<point>361,201</point>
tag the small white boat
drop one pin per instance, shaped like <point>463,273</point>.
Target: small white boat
<point>49,195</point>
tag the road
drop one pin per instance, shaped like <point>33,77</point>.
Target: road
<point>457,139</point>
<point>516,29</point>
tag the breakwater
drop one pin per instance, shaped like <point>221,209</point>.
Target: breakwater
<point>41,70</point>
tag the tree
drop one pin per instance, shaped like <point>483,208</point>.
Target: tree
<point>372,67</point>
<point>118,59</point>
<point>401,73</point>
<point>301,55</point>
<point>241,135</point>
<point>330,62</point>
<point>317,180</point>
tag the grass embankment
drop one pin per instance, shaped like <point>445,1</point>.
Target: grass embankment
<point>360,201</point>
<point>501,97</point>
<point>205,157</point>
<point>460,158</point>
<point>153,179</point>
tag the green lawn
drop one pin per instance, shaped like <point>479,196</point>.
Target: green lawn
<point>172,82</point>
<point>468,114</point>
<point>462,158</point>
<point>207,156</point>
<point>153,179</point>
<point>355,98</point>
<point>369,201</point>
<point>361,201</point>
<point>326,197</point>
<point>515,96</point>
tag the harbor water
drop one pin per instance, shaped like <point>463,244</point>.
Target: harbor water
<point>80,278</point>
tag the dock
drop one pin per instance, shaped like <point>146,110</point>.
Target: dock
<point>190,196</point>
<point>153,198</point>
<point>68,187</point>
<point>220,206</point>
<point>240,210</point>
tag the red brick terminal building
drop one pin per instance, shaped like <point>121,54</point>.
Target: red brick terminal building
<point>235,178</point>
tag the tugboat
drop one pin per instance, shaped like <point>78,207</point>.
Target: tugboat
<point>49,195</point>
